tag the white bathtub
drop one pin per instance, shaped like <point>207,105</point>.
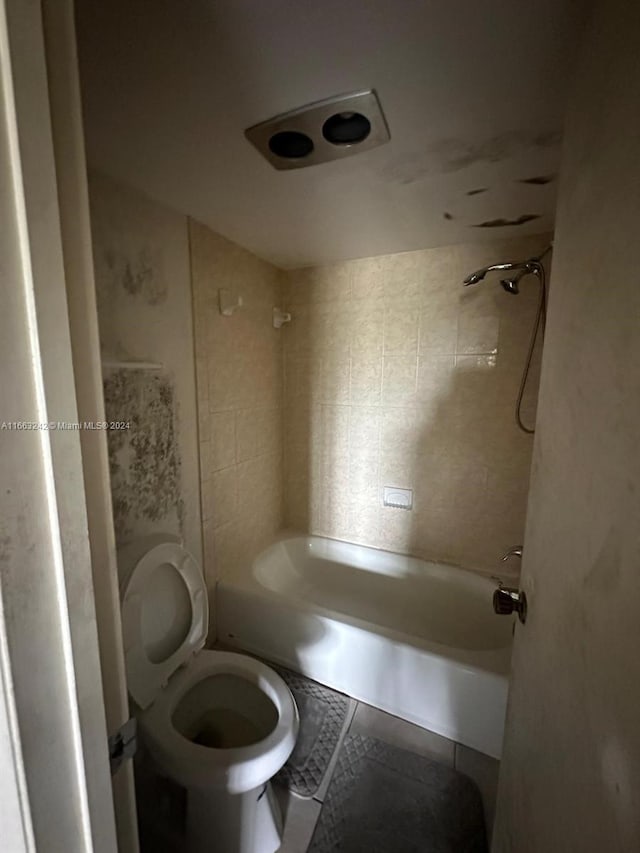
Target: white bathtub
<point>419,640</point>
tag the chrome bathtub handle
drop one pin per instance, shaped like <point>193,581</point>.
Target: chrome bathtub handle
<point>508,600</point>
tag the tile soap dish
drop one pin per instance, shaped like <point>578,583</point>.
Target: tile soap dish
<point>397,498</point>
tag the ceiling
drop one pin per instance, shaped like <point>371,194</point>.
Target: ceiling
<point>473,93</point>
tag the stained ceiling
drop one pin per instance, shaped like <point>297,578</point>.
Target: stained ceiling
<point>473,93</point>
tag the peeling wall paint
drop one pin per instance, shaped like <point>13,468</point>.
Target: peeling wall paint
<point>537,180</point>
<point>502,222</point>
<point>454,155</point>
<point>143,285</point>
<point>144,457</point>
<point>140,275</point>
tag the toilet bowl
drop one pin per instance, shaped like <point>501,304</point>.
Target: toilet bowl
<point>221,724</point>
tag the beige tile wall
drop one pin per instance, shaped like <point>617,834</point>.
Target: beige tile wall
<point>397,375</point>
<point>239,377</point>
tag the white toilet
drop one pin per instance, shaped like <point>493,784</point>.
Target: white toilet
<point>220,724</point>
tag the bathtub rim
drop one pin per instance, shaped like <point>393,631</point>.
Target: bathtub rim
<point>494,662</point>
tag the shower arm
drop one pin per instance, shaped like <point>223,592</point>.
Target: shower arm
<point>524,267</point>
<point>531,266</point>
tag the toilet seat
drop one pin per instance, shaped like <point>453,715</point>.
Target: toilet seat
<point>165,616</point>
<point>238,769</point>
<point>164,625</point>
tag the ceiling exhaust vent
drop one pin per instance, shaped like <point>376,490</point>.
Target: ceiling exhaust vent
<point>326,130</point>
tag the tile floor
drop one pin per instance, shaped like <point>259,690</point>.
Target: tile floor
<point>158,833</point>
<point>301,815</point>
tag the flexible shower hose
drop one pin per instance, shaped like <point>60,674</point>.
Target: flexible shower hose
<point>540,320</point>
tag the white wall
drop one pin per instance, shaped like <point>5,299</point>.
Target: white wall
<point>50,668</point>
<point>570,778</point>
<point>141,256</point>
<point>75,229</point>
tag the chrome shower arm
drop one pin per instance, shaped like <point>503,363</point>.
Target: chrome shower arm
<point>478,275</point>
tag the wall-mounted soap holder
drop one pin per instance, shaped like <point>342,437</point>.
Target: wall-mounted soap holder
<point>113,364</point>
<point>280,318</point>
<point>397,498</point>
<point>121,360</point>
<point>228,302</point>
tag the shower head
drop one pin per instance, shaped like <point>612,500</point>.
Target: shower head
<point>511,284</point>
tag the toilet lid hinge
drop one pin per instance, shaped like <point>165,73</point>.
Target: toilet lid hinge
<point>123,744</point>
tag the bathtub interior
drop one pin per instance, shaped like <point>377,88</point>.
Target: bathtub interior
<point>430,601</point>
